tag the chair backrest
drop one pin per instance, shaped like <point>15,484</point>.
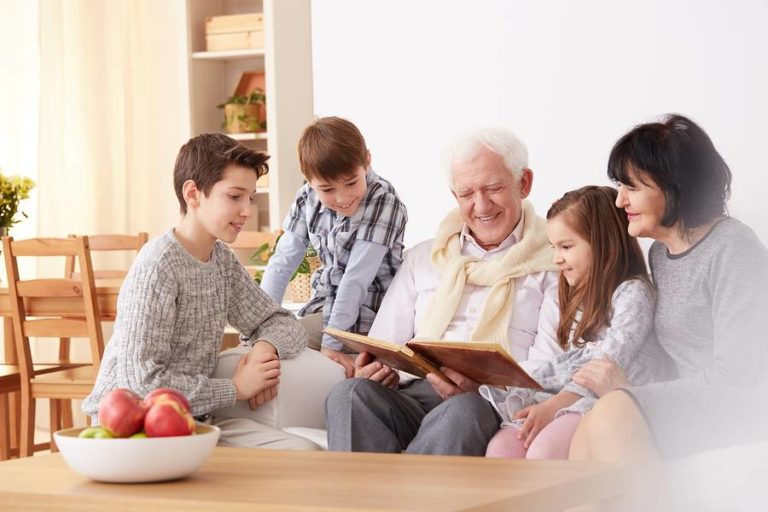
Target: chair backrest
<point>248,242</point>
<point>254,239</point>
<point>75,299</point>
<point>108,243</point>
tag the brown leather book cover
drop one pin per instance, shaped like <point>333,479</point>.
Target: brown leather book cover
<point>486,363</point>
<point>393,355</point>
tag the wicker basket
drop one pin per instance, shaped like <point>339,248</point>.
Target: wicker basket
<point>300,289</point>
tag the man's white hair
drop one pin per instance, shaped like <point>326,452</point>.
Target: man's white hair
<point>498,140</point>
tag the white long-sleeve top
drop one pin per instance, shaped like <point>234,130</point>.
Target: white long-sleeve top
<point>532,327</point>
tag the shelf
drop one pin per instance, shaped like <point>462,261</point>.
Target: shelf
<point>248,136</point>
<point>230,54</point>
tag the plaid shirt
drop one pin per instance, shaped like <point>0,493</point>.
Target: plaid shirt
<point>380,218</point>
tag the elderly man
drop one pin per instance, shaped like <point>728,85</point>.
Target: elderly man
<point>488,276</point>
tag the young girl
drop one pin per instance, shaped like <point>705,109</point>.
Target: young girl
<point>606,311</point>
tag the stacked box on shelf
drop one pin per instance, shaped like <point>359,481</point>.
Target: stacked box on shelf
<point>234,32</point>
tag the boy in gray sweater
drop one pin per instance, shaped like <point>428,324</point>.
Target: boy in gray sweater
<point>186,285</point>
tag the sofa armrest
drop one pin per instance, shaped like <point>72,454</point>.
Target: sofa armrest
<point>300,402</point>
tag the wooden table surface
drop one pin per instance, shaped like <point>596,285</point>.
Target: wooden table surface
<point>237,479</point>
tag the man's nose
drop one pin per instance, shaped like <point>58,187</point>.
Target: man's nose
<point>482,201</point>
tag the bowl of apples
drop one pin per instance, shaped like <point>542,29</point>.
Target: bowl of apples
<point>137,440</point>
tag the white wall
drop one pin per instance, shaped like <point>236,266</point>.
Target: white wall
<point>568,77</point>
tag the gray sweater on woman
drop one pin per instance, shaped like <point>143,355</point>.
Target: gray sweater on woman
<point>711,317</point>
<point>171,314</point>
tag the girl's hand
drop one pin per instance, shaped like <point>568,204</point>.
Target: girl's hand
<point>601,376</point>
<point>537,417</point>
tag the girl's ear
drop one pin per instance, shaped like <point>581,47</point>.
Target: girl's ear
<point>191,194</point>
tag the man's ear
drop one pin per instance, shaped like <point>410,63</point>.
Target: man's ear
<point>526,182</point>
<point>191,194</point>
<point>367,160</point>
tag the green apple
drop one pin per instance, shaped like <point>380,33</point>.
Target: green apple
<point>96,433</point>
<point>139,435</point>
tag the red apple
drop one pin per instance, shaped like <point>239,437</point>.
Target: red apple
<point>174,394</point>
<point>167,417</point>
<point>121,411</point>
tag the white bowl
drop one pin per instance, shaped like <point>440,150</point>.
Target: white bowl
<point>150,459</point>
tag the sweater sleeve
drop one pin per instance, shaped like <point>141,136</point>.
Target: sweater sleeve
<point>739,288</point>
<point>631,324</point>
<point>148,313</point>
<point>258,318</point>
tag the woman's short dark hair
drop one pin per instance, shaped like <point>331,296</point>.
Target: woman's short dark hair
<point>682,161</point>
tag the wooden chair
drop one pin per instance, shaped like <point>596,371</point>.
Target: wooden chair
<point>65,382</point>
<point>255,239</point>
<point>249,241</point>
<point>108,243</point>
<point>10,382</point>
<point>98,243</point>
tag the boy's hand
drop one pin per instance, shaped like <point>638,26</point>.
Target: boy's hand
<point>458,384</point>
<point>263,346</point>
<point>367,368</point>
<point>256,373</point>
<point>341,358</point>
<point>537,417</point>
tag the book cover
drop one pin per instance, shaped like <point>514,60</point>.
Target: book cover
<point>486,363</point>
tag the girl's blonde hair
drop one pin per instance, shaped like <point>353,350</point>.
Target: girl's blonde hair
<point>616,256</point>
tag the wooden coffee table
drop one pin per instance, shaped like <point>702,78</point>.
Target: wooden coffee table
<point>237,479</point>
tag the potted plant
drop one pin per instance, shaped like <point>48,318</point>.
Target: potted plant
<point>245,113</point>
<point>299,287</point>
<point>13,189</point>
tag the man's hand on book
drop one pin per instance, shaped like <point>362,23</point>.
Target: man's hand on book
<point>458,384</point>
<point>345,360</point>
<point>367,368</point>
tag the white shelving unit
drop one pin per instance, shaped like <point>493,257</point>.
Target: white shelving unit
<point>286,61</point>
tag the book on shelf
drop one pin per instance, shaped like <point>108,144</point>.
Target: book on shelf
<point>486,363</point>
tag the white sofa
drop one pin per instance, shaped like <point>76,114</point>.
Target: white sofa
<point>299,407</point>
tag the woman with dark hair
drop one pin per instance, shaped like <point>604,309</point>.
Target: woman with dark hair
<point>711,275</point>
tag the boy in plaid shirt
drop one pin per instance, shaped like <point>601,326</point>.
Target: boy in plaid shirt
<point>355,221</point>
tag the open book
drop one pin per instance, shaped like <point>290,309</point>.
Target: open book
<point>486,363</point>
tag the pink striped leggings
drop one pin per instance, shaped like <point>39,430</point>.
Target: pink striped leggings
<point>552,442</point>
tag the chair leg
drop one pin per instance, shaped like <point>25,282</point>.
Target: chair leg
<point>55,421</point>
<point>5,428</point>
<point>15,421</point>
<point>66,414</point>
<point>27,431</point>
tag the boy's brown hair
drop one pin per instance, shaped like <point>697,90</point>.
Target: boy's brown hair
<point>331,148</point>
<point>616,257</point>
<point>204,158</point>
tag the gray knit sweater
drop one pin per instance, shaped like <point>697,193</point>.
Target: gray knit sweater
<point>171,315</point>
<point>710,317</point>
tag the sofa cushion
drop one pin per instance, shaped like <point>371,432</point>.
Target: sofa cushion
<point>300,402</point>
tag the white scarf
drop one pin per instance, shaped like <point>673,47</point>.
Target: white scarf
<point>530,254</point>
